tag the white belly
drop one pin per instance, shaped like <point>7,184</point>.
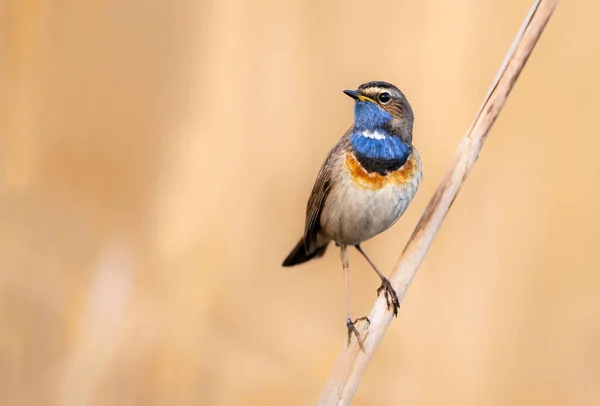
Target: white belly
<point>352,214</point>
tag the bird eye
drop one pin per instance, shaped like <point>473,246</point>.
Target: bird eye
<point>385,97</point>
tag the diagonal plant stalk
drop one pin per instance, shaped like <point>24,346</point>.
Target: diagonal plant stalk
<point>352,363</point>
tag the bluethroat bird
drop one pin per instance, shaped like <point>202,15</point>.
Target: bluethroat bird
<point>365,184</point>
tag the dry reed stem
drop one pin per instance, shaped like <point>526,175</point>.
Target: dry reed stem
<point>351,364</point>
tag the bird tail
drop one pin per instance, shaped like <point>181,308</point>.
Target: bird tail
<point>299,254</point>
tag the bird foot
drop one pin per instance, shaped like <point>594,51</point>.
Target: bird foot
<point>391,297</point>
<point>352,330</point>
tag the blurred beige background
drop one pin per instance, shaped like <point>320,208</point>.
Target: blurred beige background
<point>156,158</point>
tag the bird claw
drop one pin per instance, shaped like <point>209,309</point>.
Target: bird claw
<point>391,297</point>
<point>352,330</point>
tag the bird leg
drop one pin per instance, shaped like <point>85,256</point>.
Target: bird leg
<point>349,323</point>
<point>391,297</point>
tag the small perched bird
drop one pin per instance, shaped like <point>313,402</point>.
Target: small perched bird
<point>365,184</point>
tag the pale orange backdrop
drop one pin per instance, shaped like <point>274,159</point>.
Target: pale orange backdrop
<point>156,158</point>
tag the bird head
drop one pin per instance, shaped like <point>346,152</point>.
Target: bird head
<point>381,105</point>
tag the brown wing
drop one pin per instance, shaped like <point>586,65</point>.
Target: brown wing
<point>315,207</point>
<point>319,195</point>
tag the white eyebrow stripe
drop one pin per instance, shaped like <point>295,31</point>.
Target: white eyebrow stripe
<point>379,90</point>
<point>375,135</point>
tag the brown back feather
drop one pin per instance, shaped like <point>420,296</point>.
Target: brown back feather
<point>323,184</point>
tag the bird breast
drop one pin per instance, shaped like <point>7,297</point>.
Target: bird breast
<point>362,204</point>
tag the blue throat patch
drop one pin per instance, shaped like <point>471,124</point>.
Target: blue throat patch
<point>388,148</point>
<point>368,116</point>
<point>369,119</point>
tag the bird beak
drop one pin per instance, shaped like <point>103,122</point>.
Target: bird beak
<point>357,96</point>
